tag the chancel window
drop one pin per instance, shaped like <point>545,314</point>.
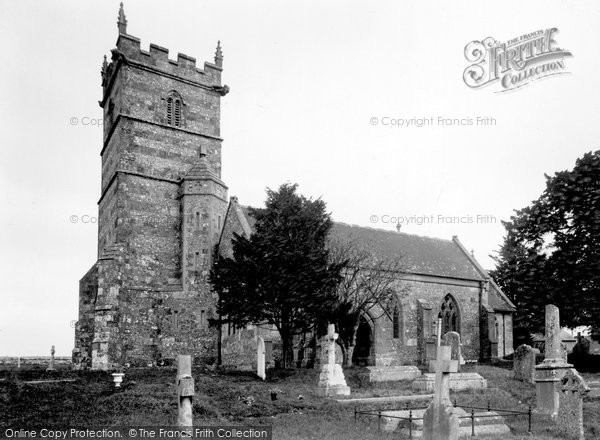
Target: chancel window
<point>396,323</point>
<point>450,315</point>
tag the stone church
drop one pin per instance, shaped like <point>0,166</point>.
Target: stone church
<point>164,211</point>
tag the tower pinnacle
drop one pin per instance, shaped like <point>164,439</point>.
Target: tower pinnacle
<point>219,55</point>
<point>104,66</point>
<point>122,21</point>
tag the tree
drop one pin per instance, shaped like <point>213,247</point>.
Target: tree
<point>369,284</point>
<point>281,274</point>
<point>551,252</point>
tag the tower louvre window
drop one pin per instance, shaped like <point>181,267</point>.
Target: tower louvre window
<point>173,110</point>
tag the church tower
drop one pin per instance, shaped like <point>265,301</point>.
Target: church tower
<point>161,209</point>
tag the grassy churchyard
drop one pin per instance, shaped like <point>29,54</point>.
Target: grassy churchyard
<point>148,398</point>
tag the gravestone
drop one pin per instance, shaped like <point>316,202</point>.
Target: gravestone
<point>185,390</point>
<point>260,358</point>
<point>457,381</point>
<point>570,412</point>
<point>269,353</point>
<point>331,378</point>
<point>549,373</point>
<point>440,421</point>
<point>524,363</point>
<point>51,365</point>
<point>452,340</point>
<point>581,351</point>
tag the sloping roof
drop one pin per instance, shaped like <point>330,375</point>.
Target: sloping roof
<point>420,255</point>
<point>201,170</point>
<point>251,220</point>
<point>498,300</point>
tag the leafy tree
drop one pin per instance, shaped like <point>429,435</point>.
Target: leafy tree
<point>282,274</point>
<point>369,284</point>
<point>551,252</point>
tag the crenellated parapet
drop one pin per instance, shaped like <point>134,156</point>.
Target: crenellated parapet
<point>129,52</point>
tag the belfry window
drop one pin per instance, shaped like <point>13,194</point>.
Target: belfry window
<point>173,111</point>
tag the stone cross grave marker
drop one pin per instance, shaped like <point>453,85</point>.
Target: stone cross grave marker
<point>331,378</point>
<point>570,410</point>
<point>549,373</point>
<point>524,363</point>
<point>185,390</point>
<point>439,421</point>
<point>260,358</point>
<point>51,365</point>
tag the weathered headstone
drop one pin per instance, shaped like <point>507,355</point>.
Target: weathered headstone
<point>524,363</point>
<point>549,373</point>
<point>260,358</point>
<point>440,422</point>
<point>582,347</point>
<point>185,390</point>
<point>269,353</point>
<point>51,365</point>
<point>331,378</point>
<point>570,412</point>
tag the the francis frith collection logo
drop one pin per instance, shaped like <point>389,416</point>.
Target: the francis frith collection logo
<point>515,63</point>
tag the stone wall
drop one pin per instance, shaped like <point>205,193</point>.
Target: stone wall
<point>239,346</point>
<point>37,362</point>
<point>421,322</point>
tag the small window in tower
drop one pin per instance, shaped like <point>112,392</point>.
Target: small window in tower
<point>177,113</point>
<point>173,109</point>
<point>219,223</point>
<point>175,319</point>
<point>197,261</point>
<point>197,220</point>
<point>202,318</point>
<point>169,110</point>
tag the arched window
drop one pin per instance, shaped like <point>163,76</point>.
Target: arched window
<point>173,110</point>
<point>450,315</point>
<point>396,323</point>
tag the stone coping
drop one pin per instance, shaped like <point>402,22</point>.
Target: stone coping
<point>387,399</point>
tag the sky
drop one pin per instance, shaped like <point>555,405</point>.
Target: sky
<point>315,89</point>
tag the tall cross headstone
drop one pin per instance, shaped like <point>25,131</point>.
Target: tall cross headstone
<point>185,390</point>
<point>439,421</point>
<point>331,378</point>
<point>260,358</point>
<point>549,373</point>
<point>51,365</point>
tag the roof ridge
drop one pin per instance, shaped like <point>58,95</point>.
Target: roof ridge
<point>393,232</point>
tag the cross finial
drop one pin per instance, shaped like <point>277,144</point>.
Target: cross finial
<point>219,55</point>
<point>398,226</point>
<point>122,21</point>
